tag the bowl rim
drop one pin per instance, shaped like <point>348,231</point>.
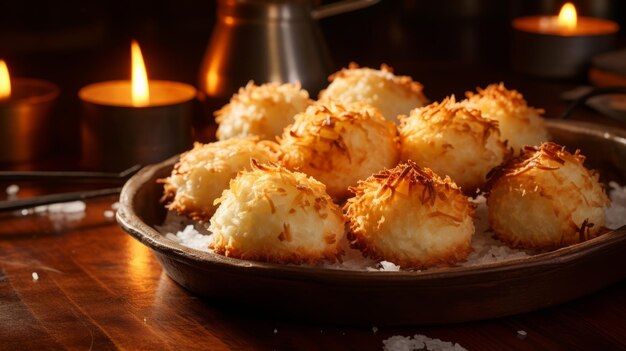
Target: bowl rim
<point>131,223</point>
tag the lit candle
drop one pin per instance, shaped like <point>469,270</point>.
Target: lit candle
<point>139,77</point>
<point>135,121</point>
<point>26,107</point>
<point>560,46</point>
<point>5,81</point>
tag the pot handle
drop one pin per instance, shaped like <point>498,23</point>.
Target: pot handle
<point>593,92</point>
<point>341,7</point>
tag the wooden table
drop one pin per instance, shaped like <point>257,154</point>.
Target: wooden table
<point>99,289</point>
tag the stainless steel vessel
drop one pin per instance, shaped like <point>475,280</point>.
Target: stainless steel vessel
<point>267,41</point>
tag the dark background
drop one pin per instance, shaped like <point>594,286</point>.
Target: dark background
<point>448,45</point>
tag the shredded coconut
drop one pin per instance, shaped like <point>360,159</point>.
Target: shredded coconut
<point>419,342</point>
<point>109,214</point>
<point>486,249</point>
<point>521,334</point>
<point>35,276</point>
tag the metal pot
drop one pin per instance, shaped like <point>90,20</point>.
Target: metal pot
<point>267,41</point>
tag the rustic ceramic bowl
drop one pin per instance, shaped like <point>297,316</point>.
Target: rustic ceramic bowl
<point>445,295</point>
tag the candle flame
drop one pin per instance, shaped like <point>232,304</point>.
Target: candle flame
<point>139,78</point>
<point>5,81</point>
<point>568,17</point>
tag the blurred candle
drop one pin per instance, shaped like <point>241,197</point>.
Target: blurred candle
<point>560,46</point>
<point>135,121</point>
<point>568,18</point>
<point>5,81</point>
<point>26,122</point>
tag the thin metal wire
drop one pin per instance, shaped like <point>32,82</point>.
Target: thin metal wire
<point>594,92</point>
<point>62,176</point>
<point>12,205</point>
<point>19,204</point>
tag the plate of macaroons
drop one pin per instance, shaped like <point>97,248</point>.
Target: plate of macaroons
<point>374,205</point>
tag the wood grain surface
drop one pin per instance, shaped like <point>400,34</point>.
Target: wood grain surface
<point>99,289</point>
<point>444,296</point>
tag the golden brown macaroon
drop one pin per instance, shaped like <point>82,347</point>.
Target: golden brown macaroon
<point>410,216</point>
<point>392,95</point>
<point>545,199</point>
<point>453,141</point>
<point>203,173</point>
<point>519,123</point>
<point>338,144</point>
<point>262,111</point>
<point>275,215</point>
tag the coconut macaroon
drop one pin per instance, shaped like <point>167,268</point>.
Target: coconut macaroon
<point>276,215</point>
<point>410,216</point>
<point>339,144</point>
<point>545,199</point>
<point>519,123</point>
<point>262,111</point>
<point>203,173</point>
<point>453,141</point>
<point>392,95</point>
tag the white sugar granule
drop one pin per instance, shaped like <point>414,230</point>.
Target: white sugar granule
<point>419,342</point>
<point>616,213</point>
<point>385,266</point>
<point>109,214</point>
<point>12,190</point>
<point>115,206</point>
<point>190,237</point>
<point>389,266</point>
<point>67,207</point>
<point>62,214</point>
<point>521,334</point>
<point>35,276</point>
<point>486,249</point>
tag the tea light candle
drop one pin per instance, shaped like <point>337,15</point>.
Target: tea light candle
<point>26,107</point>
<point>560,46</point>
<point>135,122</point>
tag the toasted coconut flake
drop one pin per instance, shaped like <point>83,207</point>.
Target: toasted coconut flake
<point>545,199</point>
<point>262,111</point>
<point>301,225</point>
<point>339,144</point>
<point>453,140</point>
<point>398,215</point>
<point>519,124</point>
<point>202,173</point>
<point>392,95</point>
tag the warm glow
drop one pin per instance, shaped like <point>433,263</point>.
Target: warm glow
<point>568,17</point>
<point>5,81</point>
<point>140,90</point>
